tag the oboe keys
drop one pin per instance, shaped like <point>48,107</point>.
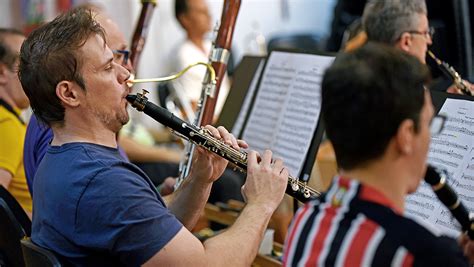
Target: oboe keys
<point>295,184</point>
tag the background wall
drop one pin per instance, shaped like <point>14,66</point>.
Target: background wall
<point>266,17</point>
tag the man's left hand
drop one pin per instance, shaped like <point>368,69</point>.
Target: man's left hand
<point>467,246</point>
<point>453,89</point>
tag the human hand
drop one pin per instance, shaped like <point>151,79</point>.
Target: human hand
<point>467,246</point>
<point>167,187</point>
<point>207,166</point>
<point>453,89</point>
<point>266,181</point>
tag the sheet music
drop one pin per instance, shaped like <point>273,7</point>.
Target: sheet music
<point>452,150</point>
<point>287,107</point>
<point>237,129</point>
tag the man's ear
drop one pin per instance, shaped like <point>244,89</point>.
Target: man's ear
<point>67,92</point>
<point>184,21</point>
<point>405,137</point>
<point>404,43</point>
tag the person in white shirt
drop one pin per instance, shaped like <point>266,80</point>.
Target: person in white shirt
<point>194,17</point>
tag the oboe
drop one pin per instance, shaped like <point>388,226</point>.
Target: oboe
<point>201,137</point>
<point>141,31</point>
<point>451,73</point>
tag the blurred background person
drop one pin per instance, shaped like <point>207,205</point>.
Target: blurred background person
<point>12,127</point>
<point>195,19</point>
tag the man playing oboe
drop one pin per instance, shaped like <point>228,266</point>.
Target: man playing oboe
<point>94,209</point>
<point>402,24</point>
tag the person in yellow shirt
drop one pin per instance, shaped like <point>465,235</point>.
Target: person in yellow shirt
<point>12,127</point>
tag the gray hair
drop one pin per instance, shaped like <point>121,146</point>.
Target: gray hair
<point>386,20</point>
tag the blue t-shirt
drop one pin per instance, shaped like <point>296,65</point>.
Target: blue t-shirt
<point>37,139</point>
<point>95,209</point>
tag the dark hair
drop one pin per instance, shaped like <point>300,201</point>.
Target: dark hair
<point>180,7</point>
<point>7,56</point>
<point>49,55</point>
<point>366,94</point>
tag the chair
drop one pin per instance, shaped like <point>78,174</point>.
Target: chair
<point>17,210</point>
<point>11,233</point>
<point>36,256</point>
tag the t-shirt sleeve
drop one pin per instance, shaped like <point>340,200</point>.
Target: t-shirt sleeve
<point>11,146</point>
<point>120,213</point>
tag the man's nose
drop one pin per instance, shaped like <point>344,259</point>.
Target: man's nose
<point>122,74</point>
<point>429,40</point>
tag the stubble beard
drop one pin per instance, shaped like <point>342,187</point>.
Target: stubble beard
<point>113,122</point>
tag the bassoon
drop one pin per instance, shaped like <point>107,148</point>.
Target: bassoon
<point>218,58</point>
<point>141,31</point>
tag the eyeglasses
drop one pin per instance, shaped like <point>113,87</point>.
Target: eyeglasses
<point>121,55</point>
<point>437,124</point>
<point>428,34</point>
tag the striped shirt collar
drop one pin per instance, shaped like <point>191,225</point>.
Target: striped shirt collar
<point>368,193</point>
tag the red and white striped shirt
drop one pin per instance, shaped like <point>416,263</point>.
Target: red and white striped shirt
<point>356,225</point>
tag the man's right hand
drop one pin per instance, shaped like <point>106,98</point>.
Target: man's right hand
<point>266,180</point>
<point>264,189</point>
<point>453,89</point>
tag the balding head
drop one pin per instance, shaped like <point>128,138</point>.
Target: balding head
<point>114,37</point>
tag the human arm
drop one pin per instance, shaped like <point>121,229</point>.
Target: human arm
<point>189,200</point>
<point>11,150</point>
<point>120,212</point>
<point>5,178</point>
<point>162,135</point>
<point>264,188</point>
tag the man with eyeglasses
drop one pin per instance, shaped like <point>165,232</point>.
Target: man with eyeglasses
<point>378,119</point>
<point>402,24</point>
<point>93,208</point>
<point>38,135</point>
<point>12,126</point>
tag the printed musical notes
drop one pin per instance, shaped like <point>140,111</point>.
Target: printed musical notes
<point>452,150</point>
<point>287,107</point>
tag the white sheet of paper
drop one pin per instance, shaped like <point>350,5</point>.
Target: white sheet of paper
<point>452,150</point>
<point>287,107</point>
